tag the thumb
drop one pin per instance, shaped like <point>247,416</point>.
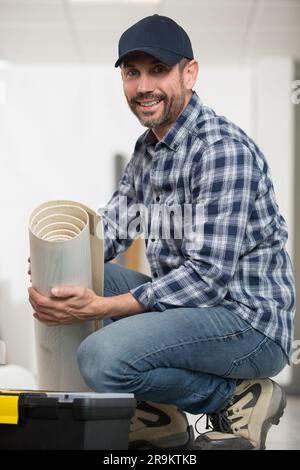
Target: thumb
<point>65,291</point>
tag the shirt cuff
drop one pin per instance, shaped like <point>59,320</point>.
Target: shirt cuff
<point>145,295</point>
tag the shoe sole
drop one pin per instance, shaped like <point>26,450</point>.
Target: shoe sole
<point>177,442</point>
<point>274,419</point>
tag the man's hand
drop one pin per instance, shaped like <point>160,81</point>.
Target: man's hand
<point>73,304</point>
<point>67,305</point>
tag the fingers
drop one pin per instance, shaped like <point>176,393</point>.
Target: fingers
<point>67,291</point>
<point>50,311</point>
<point>29,268</point>
<point>52,317</point>
<point>50,321</point>
<point>41,303</point>
<point>38,299</point>
<point>62,292</point>
<point>63,309</point>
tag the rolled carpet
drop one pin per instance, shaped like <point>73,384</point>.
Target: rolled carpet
<point>66,248</point>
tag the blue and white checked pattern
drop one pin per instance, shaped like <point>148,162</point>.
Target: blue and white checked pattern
<point>241,263</point>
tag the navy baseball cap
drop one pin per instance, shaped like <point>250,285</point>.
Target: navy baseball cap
<point>158,36</point>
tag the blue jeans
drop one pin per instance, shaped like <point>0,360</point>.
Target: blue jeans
<point>189,357</point>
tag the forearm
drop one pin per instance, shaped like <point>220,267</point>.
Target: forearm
<point>196,285</point>
<point>119,306</point>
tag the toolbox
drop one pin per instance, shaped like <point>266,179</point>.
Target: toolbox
<point>39,420</point>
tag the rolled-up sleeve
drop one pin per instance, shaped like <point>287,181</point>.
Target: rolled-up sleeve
<point>224,183</point>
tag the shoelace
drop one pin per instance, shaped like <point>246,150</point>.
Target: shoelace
<point>219,421</point>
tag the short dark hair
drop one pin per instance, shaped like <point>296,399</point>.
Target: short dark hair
<point>182,63</point>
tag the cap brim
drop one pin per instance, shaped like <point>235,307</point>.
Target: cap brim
<point>165,57</point>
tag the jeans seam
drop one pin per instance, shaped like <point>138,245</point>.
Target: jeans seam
<point>253,352</point>
<point>247,357</point>
<point>254,367</point>
<point>185,390</point>
<point>149,353</point>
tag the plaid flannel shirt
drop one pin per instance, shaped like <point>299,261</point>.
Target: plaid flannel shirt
<point>234,254</point>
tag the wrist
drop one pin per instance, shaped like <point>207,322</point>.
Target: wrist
<point>122,305</point>
<point>100,307</point>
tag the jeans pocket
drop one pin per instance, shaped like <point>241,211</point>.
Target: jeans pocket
<point>267,360</point>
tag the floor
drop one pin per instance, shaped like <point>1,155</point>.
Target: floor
<point>285,436</point>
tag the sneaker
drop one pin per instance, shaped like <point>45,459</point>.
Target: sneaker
<point>159,426</point>
<point>245,422</point>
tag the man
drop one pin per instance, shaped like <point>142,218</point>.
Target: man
<point>215,319</point>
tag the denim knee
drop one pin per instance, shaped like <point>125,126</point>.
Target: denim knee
<point>84,361</point>
<point>100,365</point>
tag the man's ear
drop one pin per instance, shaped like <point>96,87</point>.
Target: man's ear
<point>190,74</point>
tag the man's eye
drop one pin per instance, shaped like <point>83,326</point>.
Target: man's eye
<point>159,69</point>
<point>132,73</point>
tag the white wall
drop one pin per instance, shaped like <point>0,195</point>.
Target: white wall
<point>229,91</point>
<point>59,128</point>
<point>275,129</point>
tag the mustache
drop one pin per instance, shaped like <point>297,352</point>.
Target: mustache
<point>148,96</point>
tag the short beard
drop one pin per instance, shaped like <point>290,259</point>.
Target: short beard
<point>172,107</point>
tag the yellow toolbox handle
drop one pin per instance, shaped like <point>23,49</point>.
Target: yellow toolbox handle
<point>9,404</point>
<point>9,409</point>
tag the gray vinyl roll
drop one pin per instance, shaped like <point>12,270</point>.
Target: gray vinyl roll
<point>66,248</point>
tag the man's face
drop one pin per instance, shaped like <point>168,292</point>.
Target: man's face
<point>154,91</point>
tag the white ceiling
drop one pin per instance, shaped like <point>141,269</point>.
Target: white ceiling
<point>228,31</point>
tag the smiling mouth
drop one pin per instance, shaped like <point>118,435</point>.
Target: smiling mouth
<point>148,104</point>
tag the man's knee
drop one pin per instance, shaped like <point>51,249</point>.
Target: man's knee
<point>101,362</point>
<point>90,358</point>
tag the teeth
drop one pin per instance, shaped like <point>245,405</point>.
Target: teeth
<point>151,103</point>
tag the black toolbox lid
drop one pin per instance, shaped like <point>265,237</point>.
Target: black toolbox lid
<point>83,406</point>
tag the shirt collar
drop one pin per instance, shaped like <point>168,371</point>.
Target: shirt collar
<point>150,137</point>
<point>181,126</point>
